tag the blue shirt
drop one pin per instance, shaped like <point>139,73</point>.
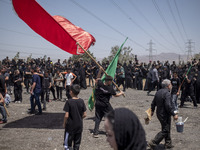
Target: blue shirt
<point>37,80</point>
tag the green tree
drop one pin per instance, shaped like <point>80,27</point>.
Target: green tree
<point>29,58</point>
<point>124,57</point>
<point>105,59</point>
<point>16,56</point>
<point>197,56</point>
<point>84,56</point>
<point>45,57</point>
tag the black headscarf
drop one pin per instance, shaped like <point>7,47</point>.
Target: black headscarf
<point>129,133</point>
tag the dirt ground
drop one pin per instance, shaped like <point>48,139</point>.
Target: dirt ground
<point>45,132</point>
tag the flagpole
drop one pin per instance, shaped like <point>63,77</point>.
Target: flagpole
<point>6,110</point>
<point>99,66</point>
<point>179,89</point>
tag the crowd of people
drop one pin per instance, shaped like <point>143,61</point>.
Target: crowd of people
<point>40,77</point>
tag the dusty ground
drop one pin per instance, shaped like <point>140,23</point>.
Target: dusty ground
<point>45,132</point>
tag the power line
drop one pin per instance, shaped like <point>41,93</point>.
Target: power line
<point>54,49</point>
<point>54,7</point>
<point>170,8</point>
<point>134,22</point>
<point>86,10</point>
<point>146,19</point>
<point>4,29</point>
<point>27,46</point>
<point>37,36</point>
<point>95,33</point>
<point>11,51</point>
<point>180,19</point>
<point>105,36</point>
<point>108,25</point>
<point>165,22</point>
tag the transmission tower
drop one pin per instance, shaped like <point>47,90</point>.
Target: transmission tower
<point>190,48</point>
<point>150,50</point>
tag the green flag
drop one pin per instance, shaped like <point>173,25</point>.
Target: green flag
<point>111,70</point>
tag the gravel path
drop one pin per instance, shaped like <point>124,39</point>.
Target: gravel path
<point>45,132</point>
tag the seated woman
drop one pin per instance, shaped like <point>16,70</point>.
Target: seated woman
<point>124,130</point>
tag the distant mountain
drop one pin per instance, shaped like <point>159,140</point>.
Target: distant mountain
<point>163,57</point>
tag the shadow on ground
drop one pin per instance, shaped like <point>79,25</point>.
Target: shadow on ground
<point>44,121</point>
<point>100,132</point>
<point>90,118</point>
<point>158,147</point>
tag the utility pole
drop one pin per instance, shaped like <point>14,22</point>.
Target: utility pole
<point>150,50</point>
<point>189,47</point>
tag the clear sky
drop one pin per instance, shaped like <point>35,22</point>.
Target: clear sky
<point>168,23</point>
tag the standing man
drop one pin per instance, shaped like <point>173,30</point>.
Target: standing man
<point>2,95</point>
<point>69,79</point>
<point>103,93</point>
<point>35,93</point>
<point>154,78</point>
<point>58,79</point>
<point>121,75</point>
<point>46,85</point>
<point>175,90</point>
<point>162,101</point>
<point>17,87</point>
<point>188,90</point>
<point>27,78</point>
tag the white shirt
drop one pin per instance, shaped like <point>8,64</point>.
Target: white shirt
<point>68,78</point>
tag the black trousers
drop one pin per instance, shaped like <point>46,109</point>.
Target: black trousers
<point>53,92</point>
<point>188,92</point>
<point>27,83</point>
<point>18,93</point>
<point>72,138</point>
<point>152,85</point>
<point>83,83</point>
<point>139,83</point>
<point>42,95</point>
<point>165,132</point>
<point>59,92</point>
<point>121,82</point>
<point>100,112</point>
<point>198,93</point>
<point>46,95</point>
<point>128,82</point>
<point>67,92</point>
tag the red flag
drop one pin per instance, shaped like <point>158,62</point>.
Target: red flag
<point>57,30</point>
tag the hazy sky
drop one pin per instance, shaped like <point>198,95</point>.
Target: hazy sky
<point>168,23</point>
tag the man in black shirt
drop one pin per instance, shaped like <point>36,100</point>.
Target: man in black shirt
<point>162,101</point>
<point>17,87</point>
<point>188,90</point>
<point>46,85</point>
<point>27,78</point>
<point>103,93</point>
